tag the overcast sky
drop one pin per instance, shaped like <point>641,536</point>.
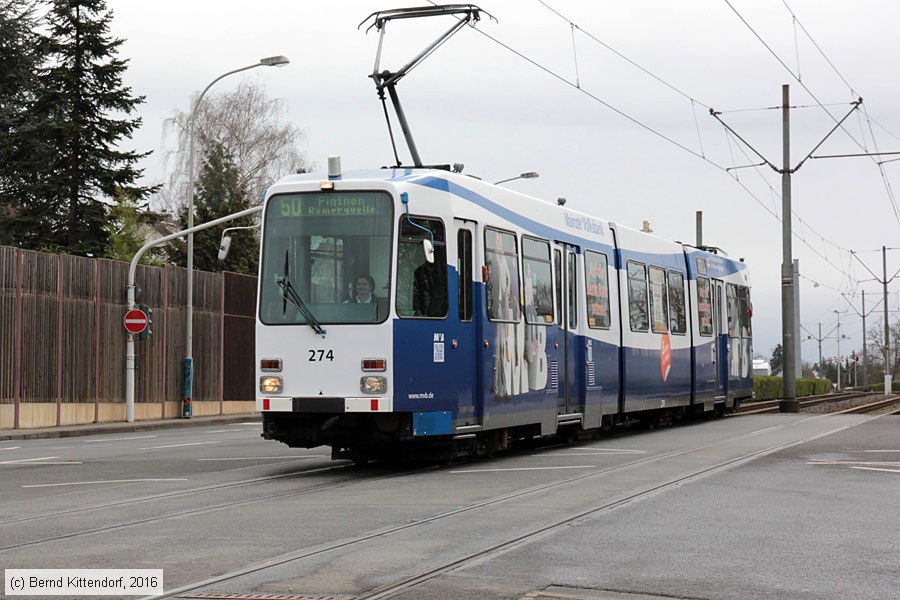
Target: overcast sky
<point>478,103</point>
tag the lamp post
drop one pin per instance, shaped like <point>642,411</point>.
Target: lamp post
<point>186,409</point>
<point>526,175</point>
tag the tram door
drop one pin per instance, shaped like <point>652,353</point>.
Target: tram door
<point>471,388</point>
<point>720,349</point>
<point>569,399</point>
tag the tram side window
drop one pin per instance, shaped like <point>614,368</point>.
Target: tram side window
<point>464,270</point>
<point>638,313</point>
<point>745,311</point>
<point>597,283</point>
<point>557,268</point>
<point>538,281</point>
<point>704,307</point>
<point>731,302</point>
<point>502,260</point>
<point>659,301</point>
<point>421,285</point>
<point>678,314</point>
<point>572,300</point>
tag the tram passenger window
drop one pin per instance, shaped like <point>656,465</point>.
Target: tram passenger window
<point>502,260</point>
<point>704,307</point>
<point>464,271</point>
<point>745,311</point>
<point>421,285</point>
<point>731,302</point>
<point>659,301</point>
<point>572,300</point>
<point>638,313</point>
<point>678,314</point>
<point>597,284</point>
<point>557,268</point>
<point>538,281</point>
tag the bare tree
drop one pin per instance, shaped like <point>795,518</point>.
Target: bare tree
<point>876,350</point>
<point>251,129</point>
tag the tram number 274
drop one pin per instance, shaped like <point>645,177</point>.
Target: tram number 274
<point>320,355</point>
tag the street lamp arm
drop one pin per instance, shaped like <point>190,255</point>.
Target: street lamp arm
<point>132,270</point>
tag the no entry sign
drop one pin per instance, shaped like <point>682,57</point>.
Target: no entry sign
<point>135,321</point>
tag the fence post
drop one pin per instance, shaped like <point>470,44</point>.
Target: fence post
<point>97,361</point>
<point>17,377</point>
<point>59,337</point>
<point>165,337</point>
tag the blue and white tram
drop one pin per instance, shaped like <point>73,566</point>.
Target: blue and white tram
<point>493,316</point>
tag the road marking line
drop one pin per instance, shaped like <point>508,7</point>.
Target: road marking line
<point>59,462</point>
<point>25,460</point>
<point>526,469</point>
<point>856,462</point>
<point>268,457</point>
<point>621,450</point>
<point>137,437</point>
<point>11,448</point>
<point>554,454</point>
<point>880,451</point>
<point>97,482</point>
<point>874,469</point>
<point>180,445</point>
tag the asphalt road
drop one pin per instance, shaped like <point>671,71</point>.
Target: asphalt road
<point>781,506</point>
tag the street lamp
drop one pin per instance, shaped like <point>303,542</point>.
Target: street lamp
<point>186,409</point>
<point>526,175</point>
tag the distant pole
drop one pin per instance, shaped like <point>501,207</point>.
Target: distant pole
<point>887,327</point>
<point>865,355</point>
<point>798,366</point>
<point>789,403</point>
<point>820,345</point>
<point>839,350</point>
<point>699,228</point>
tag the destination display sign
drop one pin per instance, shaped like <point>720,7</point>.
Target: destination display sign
<point>328,205</point>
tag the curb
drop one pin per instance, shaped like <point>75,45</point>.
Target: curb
<point>117,427</point>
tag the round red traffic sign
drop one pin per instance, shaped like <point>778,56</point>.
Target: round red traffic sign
<point>135,321</point>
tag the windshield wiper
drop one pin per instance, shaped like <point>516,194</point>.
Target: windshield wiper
<point>289,294</point>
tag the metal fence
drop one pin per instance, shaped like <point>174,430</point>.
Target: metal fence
<point>62,339</point>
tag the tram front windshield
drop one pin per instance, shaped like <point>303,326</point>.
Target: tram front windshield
<point>326,258</point>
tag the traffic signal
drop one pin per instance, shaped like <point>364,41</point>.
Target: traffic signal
<point>146,333</point>
<point>856,358</point>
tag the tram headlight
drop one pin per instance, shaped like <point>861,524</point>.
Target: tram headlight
<point>270,384</point>
<point>373,384</point>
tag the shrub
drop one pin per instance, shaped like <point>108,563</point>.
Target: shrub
<point>879,387</point>
<point>767,387</point>
<point>770,387</point>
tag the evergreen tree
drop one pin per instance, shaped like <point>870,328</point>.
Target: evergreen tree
<point>777,361</point>
<point>219,193</point>
<point>127,229</point>
<point>20,57</point>
<point>82,169</point>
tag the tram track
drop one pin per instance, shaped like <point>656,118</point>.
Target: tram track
<point>170,495</point>
<point>406,582</point>
<point>199,510</point>
<point>773,406</point>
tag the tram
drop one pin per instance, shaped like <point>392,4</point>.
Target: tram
<point>413,311</point>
